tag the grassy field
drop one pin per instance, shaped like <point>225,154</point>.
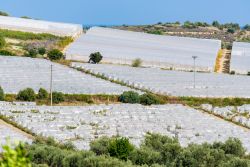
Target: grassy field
<point>20,43</point>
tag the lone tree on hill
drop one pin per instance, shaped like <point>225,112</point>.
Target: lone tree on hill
<point>95,58</point>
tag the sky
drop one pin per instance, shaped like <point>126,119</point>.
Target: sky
<point>130,12</point>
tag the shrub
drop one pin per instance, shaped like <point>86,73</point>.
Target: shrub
<point>231,30</point>
<point>232,72</point>
<point>32,53</point>
<point>42,94</point>
<point>145,155</point>
<point>73,160</point>
<point>155,32</point>
<point>1,94</point>
<point>216,24</point>
<point>149,99</point>
<point>55,54</point>
<point>58,97</point>
<point>233,146</point>
<point>237,162</point>
<point>3,13</point>
<point>6,53</point>
<point>137,63</point>
<point>26,95</point>
<point>95,57</point>
<point>100,146</point>
<point>16,157</point>
<point>25,17</point>
<point>41,51</point>
<point>129,97</point>
<point>120,148</point>
<point>2,42</point>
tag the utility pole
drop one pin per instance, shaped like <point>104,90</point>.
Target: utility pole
<point>51,84</point>
<point>194,57</point>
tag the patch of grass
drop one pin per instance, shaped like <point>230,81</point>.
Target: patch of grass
<point>26,35</point>
<point>218,59</point>
<point>64,42</point>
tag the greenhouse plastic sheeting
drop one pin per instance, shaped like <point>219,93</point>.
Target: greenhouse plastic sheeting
<point>175,83</point>
<point>122,47</point>
<point>38,26</point>
<point>18,73</point>
<point>240,60</point>
<point>126,120</point>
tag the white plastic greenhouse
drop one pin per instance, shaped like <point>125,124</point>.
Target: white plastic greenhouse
<point>122,47</point>
<point>175,83</point>
<point>18,73</point>
<point>240,60</point>
<point>38,26</point>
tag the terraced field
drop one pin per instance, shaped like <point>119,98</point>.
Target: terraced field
<point>84,124</point>
<point>173,82</point>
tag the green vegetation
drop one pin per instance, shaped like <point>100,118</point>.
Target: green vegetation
<point>126,97</point>
<point>95,58</point>
<point>16,157</point>
<point>2,95</point>
<point>156,151</point>
<point>58,97</point>
<point>120,148</point>
<point>72,99</point>
<point>30,44</point>
<point>42,94</point>
<point>246,27</point>
<point>155,32</point>
<point>42,51</point>
<point>129,97</point>
<point>3,13</point>
<point>55,54</point>
<point>65,41</point>
<point>6,53</point>
<point>149,99</point>
<point>144,99</point>
<point>25,17</point>
<point>26,35</point>
<point>32,53</point>
<point>26,95</point>
<point>2,42</point>
<point>137,63</point>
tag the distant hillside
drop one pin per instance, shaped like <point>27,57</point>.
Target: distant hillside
<point>226,32</point>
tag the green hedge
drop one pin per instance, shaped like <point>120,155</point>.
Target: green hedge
<point>156,150</point>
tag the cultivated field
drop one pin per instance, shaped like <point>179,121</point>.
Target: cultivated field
<point>83,124</point>
<point>173,82</point>
<point>123,47</point>
<point>18,73</point>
